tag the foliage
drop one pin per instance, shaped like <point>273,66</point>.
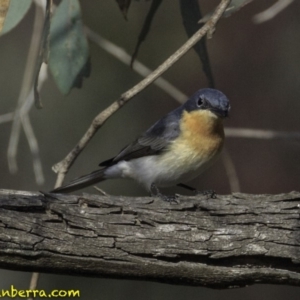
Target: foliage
<point>68,47</point>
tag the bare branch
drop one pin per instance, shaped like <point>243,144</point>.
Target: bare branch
<point>272,11</point>
<point>39,77</point>
<point>34,147</point>
<point>25,91</point>
<point>232,241</point>
<point>13,145</point>
<point>100,190</point>
<point>34,282</point>
<point>260,134</point>
<point>141,69</point>
<point>7,117</point>
<point>63,166</point>
<point>25,101</point>
<point>23,114</point>
<point>46,7</point>
<point>231,172</point>
<point>22,117</point>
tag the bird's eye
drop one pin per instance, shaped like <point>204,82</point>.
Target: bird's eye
<point>200,102</point>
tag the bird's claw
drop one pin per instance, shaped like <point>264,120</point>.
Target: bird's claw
<point>167,198</point>
<point>211,194</point>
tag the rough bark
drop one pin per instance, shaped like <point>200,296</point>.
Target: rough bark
<point>230,241</point>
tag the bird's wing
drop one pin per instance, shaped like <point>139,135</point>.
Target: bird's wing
<point>155,140</point>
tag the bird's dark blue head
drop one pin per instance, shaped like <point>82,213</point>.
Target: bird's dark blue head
<point>209,99</point>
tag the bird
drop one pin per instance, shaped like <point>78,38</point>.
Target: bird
<point>177,148</point>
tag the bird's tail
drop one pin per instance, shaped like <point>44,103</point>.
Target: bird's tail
<point>81,182</point>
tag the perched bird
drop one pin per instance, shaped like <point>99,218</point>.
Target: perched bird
<point>177,148</point>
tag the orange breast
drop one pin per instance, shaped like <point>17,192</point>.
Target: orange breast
<point>203,132</point>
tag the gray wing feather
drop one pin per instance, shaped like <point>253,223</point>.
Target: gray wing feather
<point>81,182</point>
<point>155,140</point>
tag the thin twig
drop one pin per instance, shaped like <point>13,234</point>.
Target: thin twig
<point>26,106</point>
<point>272,11</point>
<point>7,117</point>
<point>23,116</point>
<point>34,147</point>
<point>25,90</point>
<point>46,6</point>
<point>36,85</point>
<point>231,172</point>
<point>63,166</point>
<point>25,101</point>
<point>26,123</point>
<point>260,134</point>
<point>33,282</point>
<point>100,190</point>
<point>138,67</point>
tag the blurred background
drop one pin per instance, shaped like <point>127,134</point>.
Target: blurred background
<point>256,66</point>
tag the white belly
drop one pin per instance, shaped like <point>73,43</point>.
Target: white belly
<point>163,170</point>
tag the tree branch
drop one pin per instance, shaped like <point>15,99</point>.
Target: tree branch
<point>264,134</point>
<point>20,118</point>
<point>120,54</point>
<point>230,241</point>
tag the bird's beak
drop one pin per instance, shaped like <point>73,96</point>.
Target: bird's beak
<point>221,112</point>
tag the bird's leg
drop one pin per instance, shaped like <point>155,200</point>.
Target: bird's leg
<point>154,190</point>
<point>208,193</point>
<point>156,193</point>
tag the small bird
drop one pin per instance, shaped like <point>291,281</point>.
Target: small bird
<point>177,148</point>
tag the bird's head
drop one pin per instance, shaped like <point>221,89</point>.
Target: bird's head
<point>211,100</point>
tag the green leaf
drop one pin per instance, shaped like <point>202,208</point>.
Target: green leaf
<point>16,12</point>
<point>191,14</point>
<point>69,51</point>
<point>146,27</point>
<point>124,6</point>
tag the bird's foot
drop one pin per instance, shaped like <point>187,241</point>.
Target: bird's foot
<point>168,198</point>
<point>156,193</point>
<point>211,194</point>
